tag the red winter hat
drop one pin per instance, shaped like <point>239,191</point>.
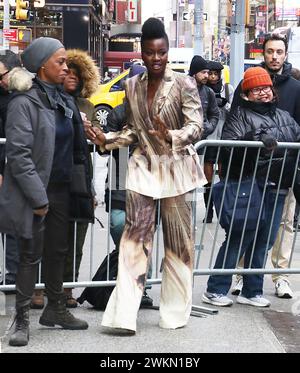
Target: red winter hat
<point>256,77</point>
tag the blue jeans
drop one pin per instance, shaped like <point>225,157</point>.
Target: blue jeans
<point>252,284</point>
<point>117,224</point>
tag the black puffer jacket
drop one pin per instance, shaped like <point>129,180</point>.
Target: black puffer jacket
<point>211,112</point>
<point>250,122</point>
<point>287,88</point>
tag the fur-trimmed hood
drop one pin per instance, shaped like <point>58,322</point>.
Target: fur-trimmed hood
<point>19,80</point>
<point>89,71</point>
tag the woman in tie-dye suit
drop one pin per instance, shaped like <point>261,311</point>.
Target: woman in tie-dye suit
<point>164,120</point>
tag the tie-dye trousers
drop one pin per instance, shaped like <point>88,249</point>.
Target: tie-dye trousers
<point>135,255</point>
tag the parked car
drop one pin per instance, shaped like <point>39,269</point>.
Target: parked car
<point>108,96</point>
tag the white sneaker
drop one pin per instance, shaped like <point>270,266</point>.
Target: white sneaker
<point>282,289</point>
<point>257,301</point>
<point>237,287</point>
<point>216,299</point>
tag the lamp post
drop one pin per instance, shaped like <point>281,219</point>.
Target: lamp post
<point>5,43</point>
<point>199,26</point>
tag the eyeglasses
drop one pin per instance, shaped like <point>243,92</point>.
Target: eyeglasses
<point>259,90</point>
<point>2,75</point>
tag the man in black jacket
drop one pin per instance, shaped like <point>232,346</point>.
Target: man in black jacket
<point>199,69</point>
<point>275,50</point>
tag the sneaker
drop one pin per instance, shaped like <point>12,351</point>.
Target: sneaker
<point>237,287</point>
<point>146,301</point>
<point>282,289</point>
<point>216,299</point>
<point>257,301</point>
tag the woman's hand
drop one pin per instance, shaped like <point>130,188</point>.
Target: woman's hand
<point>161,130</point>
<point>89,130</point>
<point>100,138</point>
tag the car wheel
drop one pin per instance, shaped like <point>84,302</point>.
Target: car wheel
<point>102,112</point>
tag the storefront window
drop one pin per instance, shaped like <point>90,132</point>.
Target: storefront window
<point>46,17</point>
<point>49,32</point>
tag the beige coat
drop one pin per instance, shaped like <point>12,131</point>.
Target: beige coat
<point>159,169</point>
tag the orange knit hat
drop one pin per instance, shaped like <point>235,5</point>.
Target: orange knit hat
<point>256,77</point>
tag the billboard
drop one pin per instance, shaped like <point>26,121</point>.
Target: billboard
<point>287,10</point>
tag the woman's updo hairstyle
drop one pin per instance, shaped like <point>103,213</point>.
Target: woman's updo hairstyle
<point>153,28</point>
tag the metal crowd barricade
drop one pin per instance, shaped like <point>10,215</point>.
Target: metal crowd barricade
<point>208,237</point>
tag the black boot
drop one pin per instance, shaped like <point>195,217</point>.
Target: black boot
<point>56,313</point>
<point>20,336</point>
<point>209,207</point>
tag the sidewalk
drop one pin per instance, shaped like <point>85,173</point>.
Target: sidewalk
<point>235,329</point>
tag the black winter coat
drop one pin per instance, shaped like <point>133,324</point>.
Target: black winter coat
<point>250,122</point>
<point>4,100</point>
<point>211,112</point>
<point>287,88</point>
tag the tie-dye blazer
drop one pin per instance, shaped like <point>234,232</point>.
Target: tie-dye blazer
<point>157,168</point>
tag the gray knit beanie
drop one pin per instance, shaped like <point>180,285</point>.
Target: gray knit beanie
<point>38,52</point>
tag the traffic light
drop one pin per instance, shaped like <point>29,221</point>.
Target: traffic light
<point>247,12</point>
<point>22,10</point>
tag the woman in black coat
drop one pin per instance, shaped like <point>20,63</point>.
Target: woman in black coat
<point>256,119</point>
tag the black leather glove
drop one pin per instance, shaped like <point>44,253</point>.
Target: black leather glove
<point>221,101</point>
<point>208,128</point>
<point>247,137</point>
<point>269,141</point>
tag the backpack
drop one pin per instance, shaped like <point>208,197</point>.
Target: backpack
<point>98,296</point>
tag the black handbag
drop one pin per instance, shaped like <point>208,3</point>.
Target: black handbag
<point>241,197</point>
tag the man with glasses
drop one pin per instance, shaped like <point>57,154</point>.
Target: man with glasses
<point>275,53</point>
<point>8,61</point>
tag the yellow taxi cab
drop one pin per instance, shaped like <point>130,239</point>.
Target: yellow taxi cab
<point>108,96</point>
<point>111,94</point>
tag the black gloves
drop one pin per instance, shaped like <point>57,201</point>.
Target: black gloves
<point>247,137</point>
<point>221,101</point>
<point>269,141</point>
<point>208,129</point>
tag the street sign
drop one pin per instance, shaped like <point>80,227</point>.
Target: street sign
<point>10,34</point>
<point>185,16</point>
<point>25,35</point>
<point>132,11</point>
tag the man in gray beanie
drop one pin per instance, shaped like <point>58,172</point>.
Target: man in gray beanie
<point>38,52</point>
